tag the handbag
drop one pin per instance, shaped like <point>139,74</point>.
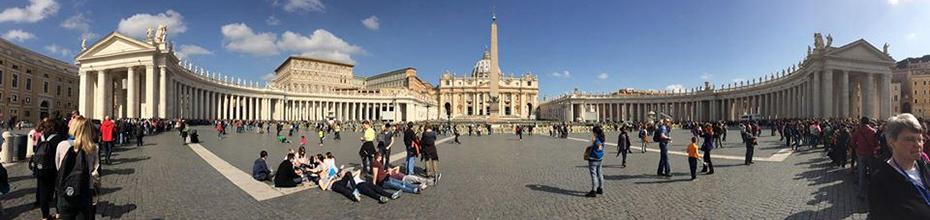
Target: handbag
<point>587,152</point>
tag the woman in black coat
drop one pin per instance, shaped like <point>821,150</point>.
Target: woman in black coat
<point>900,186</point>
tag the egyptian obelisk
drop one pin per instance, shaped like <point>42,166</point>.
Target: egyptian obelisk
<point>495,76</point>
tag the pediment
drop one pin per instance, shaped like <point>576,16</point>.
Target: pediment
<point>860,50</point>
<point>115,43</point>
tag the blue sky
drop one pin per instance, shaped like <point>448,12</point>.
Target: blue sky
<point>594,46</point>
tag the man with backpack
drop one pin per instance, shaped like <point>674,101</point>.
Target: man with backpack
<point>43,163</point>
<point>661,136</point>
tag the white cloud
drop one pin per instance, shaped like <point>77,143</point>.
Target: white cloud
<point>137,24</point>
<point>18,35</point>
<point>674,87</point>
<point>79,23</point>
<point>371,23</point>
<point>240,38</point>
<point>55,49</point>
<point>268,76</point>
<point>602,76</point>
<point>564,74</point>
<point>304,5</point>
<point>911,36</point>
<point>273,21</point>
<point>188,50</point>
<point>320,44</point>
<point>706,76</point>
<point>34,12</point>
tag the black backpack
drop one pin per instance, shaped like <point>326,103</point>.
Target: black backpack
<point>44,158</point>
<point>657,134</point>
<point>73,181</point>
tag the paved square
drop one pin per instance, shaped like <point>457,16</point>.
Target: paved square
<point>487,177</point>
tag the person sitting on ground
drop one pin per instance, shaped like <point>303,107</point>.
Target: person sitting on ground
<point>380,174</point>
<point>260,169</point>
<point>286,175</point>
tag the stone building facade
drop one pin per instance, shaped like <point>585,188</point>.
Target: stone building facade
<point>34,86</point>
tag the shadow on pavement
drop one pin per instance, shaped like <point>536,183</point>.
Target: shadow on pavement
<point>835,190</point>
<point>110,210</point>
<point>557,190</point>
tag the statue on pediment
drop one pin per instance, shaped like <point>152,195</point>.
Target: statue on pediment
<point>809,51</point>
<point>885,48</point>
<point>829,39</point>
<point>149,37</point>
<point>161,34</point>
<point>83,44</point>
<point>818,41</point>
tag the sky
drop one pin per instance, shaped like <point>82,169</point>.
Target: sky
<point>592,46</point>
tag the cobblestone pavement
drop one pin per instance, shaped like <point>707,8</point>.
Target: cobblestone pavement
<point>488,177</point>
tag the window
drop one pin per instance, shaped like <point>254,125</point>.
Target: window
<point>58,90</point>
<point>69,91</point>
<point>45,86</point>
<point>530,83</point>
<point>15,98</point>
<point>28,100</point>
<point>1,77</point>
<point>15,81</point>
<point>28,83</point>
<point>27,114</point>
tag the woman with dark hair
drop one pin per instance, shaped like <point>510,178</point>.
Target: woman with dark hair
<point>52,134</point>
<point>594,162</point>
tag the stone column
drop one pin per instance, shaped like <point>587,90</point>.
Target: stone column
<point>868,95</point>
<point>132,96</point>
<point>827,93</point>
<point>104,100</point>
<point>844,110</point>
<point>163,93</point>
<point>150,89</point>
<point>884,93</point>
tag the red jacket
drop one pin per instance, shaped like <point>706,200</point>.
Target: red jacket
<point>106,129</point>
<point>865,141</point>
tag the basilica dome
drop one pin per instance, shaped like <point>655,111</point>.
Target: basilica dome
<point>482,67</point>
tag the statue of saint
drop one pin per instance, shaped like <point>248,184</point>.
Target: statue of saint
<point>83,44</point>
<point>148,34</point>
<point>829,39</point>
<point>885,48</point>
<point>818,41</point>
<point>161,34</point>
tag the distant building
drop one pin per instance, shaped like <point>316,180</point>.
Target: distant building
<point>914,75</point>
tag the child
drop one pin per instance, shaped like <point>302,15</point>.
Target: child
<point>693,157</point>
<point>303,141</point>
<point>322,136</point>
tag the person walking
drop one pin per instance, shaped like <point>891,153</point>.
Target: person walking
<point>751,142</point>
<point>661,135</point>
<point>693,157</point>
<point>594,157</point>
<point>53,133</point>
<point>107,128</point>
<point>455,132</point>
<point>385,141</point>
<point>707,147</point>
<point>623,146</point>
<point>642,137</point>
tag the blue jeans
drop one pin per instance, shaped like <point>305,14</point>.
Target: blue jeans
<point>597,177</point>
<point>400,185</point>
<point>664,168</point>
<point>411,164</point>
